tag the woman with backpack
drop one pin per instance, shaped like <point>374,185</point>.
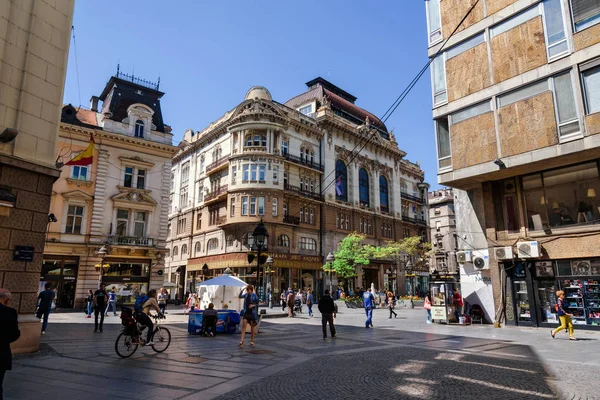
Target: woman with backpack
<point>391,303</point>
<point>148,303</point>
<point>565,318</point>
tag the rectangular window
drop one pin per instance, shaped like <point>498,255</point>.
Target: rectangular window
<point>471,112</point>
<point>585,13</point>
<point>556,40</point>
<point>141,179</point>
<point>285,209</point>
<point>312,215</point>
<point>591,87</point>
<point>185,173</point>
<point>301,214</point>
<point>523,93</point>
<point>202,164</point>
<point>261,206</point>
<point>253,172</point>
<point>183,198</point>
<point>232,207</point>
<point>261,172</point>
<point>284,147</point>
<point>199,221</point>
<point>233,174</point>
<point>306,110</point>
<point>434,21</point>
<point>128,181</point>
<point>201,192</point>
<point>568,121</point>
<point>443,144</point>
<point>246,172</point>
<point>439,80</point>
<point>275,203</point>
<point>139,224</point>
<point>285,179</point>
<point>74,219</point>
<point>275,174</point>
<point>122,221</point>
<point>252,205</point>
<point>515,21</point>
<point>245,205</point>
<point>464,46</point>
<point>80,173</point>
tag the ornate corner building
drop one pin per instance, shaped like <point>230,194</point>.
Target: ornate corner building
<point>313,169</point>
<point>120,201</point>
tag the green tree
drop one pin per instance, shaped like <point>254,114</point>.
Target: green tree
<point>350,254</point>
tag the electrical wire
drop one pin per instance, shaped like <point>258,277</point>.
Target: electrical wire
<point>76,63</point>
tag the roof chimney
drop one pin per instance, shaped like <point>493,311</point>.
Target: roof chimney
<point>94,103</point>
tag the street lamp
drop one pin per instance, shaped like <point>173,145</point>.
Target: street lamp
<point>269,271</point>
<point>259,237</point>
<point>329,260</point>
<point>102,267</point>
<point>409,267</point>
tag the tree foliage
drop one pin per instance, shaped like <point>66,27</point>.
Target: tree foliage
<point>350,254</point>
<point>412,247</point>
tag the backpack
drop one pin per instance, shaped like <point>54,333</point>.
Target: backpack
<point>139,303</point>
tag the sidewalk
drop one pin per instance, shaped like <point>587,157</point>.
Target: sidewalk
<point>401,358</point>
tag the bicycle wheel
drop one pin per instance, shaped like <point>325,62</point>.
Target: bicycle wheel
<point>125,346</point>
<point>162,339</point>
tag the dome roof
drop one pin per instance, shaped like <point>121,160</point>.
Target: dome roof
<point>258,92</point>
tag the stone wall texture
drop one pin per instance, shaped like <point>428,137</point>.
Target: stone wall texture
<point>493,6</point>
<point>453,12</point>
<point>473,141</point>
<point>593,123</point>
<point>518,50</point>
<point>463,81</point>
<point>587,37</point>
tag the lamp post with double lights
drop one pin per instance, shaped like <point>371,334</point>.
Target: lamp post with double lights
<point>409,273</point>
<point>269,271</point>
<point>102,267</point>
<point>329,260</point>
<point>259,238</point>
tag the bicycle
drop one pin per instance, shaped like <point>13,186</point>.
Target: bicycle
<point>128,342</point>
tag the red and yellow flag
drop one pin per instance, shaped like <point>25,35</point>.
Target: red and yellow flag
<point>86,157</point>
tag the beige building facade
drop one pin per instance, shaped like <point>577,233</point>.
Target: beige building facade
<point>34,46</point>
<point>516,112</point>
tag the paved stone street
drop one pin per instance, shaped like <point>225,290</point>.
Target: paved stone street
<point>402,358</point>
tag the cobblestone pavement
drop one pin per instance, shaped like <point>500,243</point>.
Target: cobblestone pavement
<point>402,358</point>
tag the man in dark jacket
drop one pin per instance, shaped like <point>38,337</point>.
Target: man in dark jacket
<point>9,332</point>
<point>45,300</point>
<point>327,309</point>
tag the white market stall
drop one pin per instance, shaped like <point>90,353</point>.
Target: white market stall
<point>223,292</point>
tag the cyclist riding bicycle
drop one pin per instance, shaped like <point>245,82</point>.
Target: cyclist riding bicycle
<point>143,317</point>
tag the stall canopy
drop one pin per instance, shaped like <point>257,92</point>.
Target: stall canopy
<point>223,291</point>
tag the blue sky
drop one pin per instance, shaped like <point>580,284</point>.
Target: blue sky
<point>208,54</point>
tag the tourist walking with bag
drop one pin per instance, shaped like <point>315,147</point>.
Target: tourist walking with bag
<point>565,318</point>
<point>391,303</point>
<point>327,310</point>
<point>368,301</point>
<point>427,306</point>
<point>249,313</point>
<point>112,302</point>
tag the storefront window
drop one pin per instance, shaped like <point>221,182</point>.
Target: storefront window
<point>563,197</point>
<point>580,280</point>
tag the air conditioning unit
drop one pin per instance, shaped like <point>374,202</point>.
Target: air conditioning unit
<point>503,253</point>
<point>528,249</point>
<point>481,259</point>
<point>463,256</point>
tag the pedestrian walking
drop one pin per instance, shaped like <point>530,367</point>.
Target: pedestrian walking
<point>45,300</point>
<point>290,303</point>
<point>9,332</point>
<point>89,302</point>
<point>563,316</point>
<point>327,310</point>
<point>282,298</point>
<point>162,300</point>
<point>249,313</point>
<point>310,300</point>
<point>369,301</point>
<point>100,297</point>
<point>457,301</point>
<point>427,306</point>
<point>391,303</point>
<point>112,301</point>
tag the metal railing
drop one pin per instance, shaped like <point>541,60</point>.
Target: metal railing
<point>217,163</point>
<point>255,148</point>
<point>302,192</point>
<point>212,195</point>
<point>416,221</point>
<point>290,219</point>
<point>407,196</point>
<point>303,161</point>
<point>131,241</point>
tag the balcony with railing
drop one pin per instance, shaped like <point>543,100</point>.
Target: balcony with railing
<point>416,221</point>
<point>222,190</point>
<point>302,192</point>
<point>408,196</point>
<point>255,149</point>
<point>131,241</point>
<point>290,219</point>
<point>303,161</point>
<point>216,164</point>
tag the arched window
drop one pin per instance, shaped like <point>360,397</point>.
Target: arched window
<point>363,187</point>
<point>384,199</point>
<point>283,241</point>
<point>184,250</point>
<point>308,244</point>
<point>197,248</point>
<point>247,240</point>
<point>248,140</point>
<point>139,128</point>
<point>341,181</point>
<point>175,251</point>
<point>230,240</point>
<point>212,244</point>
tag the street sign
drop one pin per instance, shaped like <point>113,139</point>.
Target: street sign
<point>23,253</point>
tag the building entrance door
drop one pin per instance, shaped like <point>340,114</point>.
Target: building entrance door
<point>61,273</point>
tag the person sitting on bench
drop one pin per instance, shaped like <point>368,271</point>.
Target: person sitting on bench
<point>209,321</point>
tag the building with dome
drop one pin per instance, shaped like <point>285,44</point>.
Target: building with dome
<point>312,169</point>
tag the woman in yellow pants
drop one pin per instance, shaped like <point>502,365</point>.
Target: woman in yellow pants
<point>565,318</point>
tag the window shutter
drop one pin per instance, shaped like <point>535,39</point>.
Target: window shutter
<point>585,9</point>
